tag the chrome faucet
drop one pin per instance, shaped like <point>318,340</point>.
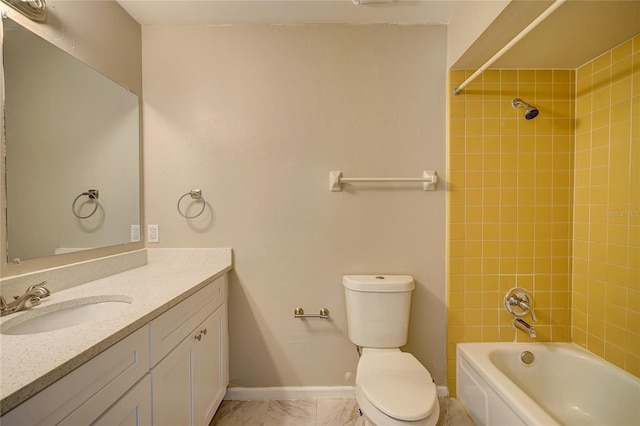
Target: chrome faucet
<point>518,302</point>
<point>522,300</point>
<point>524,326</point>
<point>29,299</point>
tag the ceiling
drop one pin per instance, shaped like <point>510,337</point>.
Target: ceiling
<point>228,12</point>
<point>579,31</point>
<point>576,33</point>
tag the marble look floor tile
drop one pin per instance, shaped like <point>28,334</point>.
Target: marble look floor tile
<point>338,412</point>
<point>453,413</point>
<point>323,412</point>
<point>240,413</point>
<point>291,413</point>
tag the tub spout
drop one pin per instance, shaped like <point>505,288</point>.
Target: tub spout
<point>524,326</point>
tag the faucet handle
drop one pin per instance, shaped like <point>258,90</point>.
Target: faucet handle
<point>520,298</point>
<point>526,307</point>
<point>31,302</point>
<point>41,289</point>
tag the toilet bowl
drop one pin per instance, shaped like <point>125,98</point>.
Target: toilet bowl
<point>392,387</point>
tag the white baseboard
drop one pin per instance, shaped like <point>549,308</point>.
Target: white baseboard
<point>299,392</point>
<point>290,392</point>
<point>443,391</point>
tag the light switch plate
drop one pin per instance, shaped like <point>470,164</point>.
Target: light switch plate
<point>152,234</point>
<point>135,233</point>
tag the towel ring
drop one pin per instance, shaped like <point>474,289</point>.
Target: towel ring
<point>93,194</point>
<point>196,194</point>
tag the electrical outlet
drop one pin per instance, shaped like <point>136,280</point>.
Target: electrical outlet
<point>135,233</point>
<point>152,234</point>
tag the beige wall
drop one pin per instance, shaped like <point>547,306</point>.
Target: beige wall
<point>256,117</point>
<point>105,37</point>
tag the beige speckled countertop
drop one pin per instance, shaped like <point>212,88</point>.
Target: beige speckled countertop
<point>29,363</point>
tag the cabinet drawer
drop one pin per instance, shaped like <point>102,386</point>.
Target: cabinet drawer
<point>170,328</point>
<point>85,393</point>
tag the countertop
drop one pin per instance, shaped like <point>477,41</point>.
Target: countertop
<point>29,363</point>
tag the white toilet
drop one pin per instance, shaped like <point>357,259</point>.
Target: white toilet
<point>392,387</point>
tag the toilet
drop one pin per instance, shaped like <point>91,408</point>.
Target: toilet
<point>392,387</point>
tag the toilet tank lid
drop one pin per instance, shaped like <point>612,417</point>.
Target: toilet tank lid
<point>378,283</point>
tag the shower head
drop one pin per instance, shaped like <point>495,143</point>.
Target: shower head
<point>530,112</point>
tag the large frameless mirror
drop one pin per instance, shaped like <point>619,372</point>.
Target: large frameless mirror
<point>71,137</point>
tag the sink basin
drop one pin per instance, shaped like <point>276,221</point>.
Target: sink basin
<point>66,314</point>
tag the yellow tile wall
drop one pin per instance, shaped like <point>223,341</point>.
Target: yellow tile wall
<point>551,204</point>
<point>606,264</point>
<point>509,205</point>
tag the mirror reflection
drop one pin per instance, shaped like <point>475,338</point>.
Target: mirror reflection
<point>69,131</point>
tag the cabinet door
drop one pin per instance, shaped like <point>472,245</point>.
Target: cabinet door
<point>133,409</point>
<point>190,382</point>
<point>171,386</point>
<point>209,366</point>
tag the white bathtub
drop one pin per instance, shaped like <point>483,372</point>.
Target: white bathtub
<point>565,385</point>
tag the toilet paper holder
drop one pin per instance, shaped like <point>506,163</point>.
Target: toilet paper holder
<point>299,313</point>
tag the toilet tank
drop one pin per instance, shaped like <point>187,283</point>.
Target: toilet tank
<point>378,309</point>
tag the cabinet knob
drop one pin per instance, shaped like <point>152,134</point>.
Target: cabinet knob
<point>203,331</point>
<point>198,337</point>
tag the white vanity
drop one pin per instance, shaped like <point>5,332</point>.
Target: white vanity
<point>162,360</point>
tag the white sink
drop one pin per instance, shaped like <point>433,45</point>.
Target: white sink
<point>66,314</point>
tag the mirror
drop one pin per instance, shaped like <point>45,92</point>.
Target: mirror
<point>67,130</point>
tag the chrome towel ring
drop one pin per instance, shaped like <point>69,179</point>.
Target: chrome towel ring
<point>195,194</point>
<point>93,194</point>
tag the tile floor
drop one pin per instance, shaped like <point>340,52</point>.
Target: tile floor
<point>321,412</point>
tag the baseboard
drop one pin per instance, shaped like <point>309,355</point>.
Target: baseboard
<point>443,391</point>
<point>290,392</point>
<point>299,392</point>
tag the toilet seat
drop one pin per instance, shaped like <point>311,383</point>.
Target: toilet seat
<point>397,384</point>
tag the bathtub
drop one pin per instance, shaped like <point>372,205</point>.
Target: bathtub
<point>564,385</point>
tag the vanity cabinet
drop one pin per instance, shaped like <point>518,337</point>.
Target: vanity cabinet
<point>189,358</point>
<point>172,371</point>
